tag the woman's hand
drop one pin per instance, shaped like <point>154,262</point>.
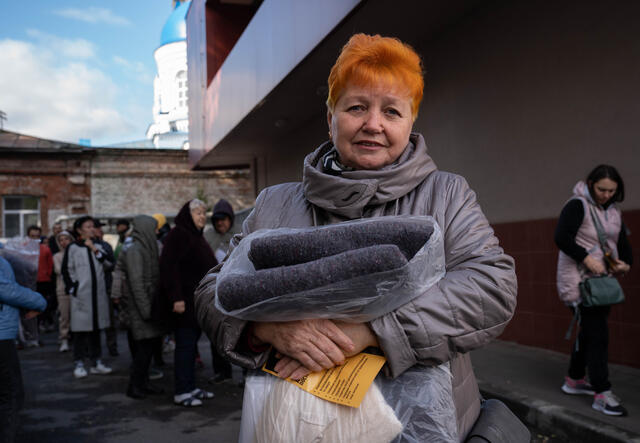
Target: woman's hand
<point>290,367</point>
<point>359,333</point>
<point>31,314</point>
<point>620,267</point>
<point>594,265</point>
<point>178,307</point>
<point>316,344</point>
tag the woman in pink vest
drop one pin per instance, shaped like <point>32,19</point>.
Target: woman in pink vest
<point>581,256</point>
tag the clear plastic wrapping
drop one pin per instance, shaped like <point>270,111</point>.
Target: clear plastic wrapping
<point>23,254</point>
<point>357,299</point>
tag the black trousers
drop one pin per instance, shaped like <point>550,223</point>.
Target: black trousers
<point>87,345</point>
<point>11,391</point>
<point>142,354</point>
<point>591,350</point>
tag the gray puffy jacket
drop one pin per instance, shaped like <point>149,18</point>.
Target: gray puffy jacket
<point>469,307</point>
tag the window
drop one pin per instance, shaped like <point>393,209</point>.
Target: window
<point>18,213</point>
<point>181,81</point>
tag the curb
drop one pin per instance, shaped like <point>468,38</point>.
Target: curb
<point>558,420</point>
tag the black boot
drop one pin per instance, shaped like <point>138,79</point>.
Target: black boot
<point>135,392</point>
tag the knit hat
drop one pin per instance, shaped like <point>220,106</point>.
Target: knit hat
<point>61,233</point>
<point>161,219</point>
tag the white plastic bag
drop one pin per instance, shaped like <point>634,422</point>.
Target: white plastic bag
<point>23,254</point>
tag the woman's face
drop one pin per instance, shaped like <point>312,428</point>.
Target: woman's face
<point>199,217</point>
<point>370,127</point>
<point>86,230</point>
<point>603,190</point>
<point>64,241</point>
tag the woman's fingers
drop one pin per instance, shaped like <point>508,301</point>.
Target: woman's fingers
<point>336,335</point>
<point>315,343</point>
<point>288,367</point>
<point>299,373</point>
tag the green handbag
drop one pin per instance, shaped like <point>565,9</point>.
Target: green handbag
<point>602,290</point>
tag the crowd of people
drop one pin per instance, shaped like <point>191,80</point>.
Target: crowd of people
<point>144,285</point>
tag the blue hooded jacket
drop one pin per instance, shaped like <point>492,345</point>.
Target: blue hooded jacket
<point>14,297</point>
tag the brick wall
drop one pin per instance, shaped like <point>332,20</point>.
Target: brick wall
<point>541,320</point>
<point>61,181</point>
<point>116,181</point>
<point>133,182</point>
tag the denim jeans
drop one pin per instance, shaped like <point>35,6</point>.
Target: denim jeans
<point>185,359</point>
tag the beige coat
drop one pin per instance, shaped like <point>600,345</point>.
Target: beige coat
<point>469,307</point>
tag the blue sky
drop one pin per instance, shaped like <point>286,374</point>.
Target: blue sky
<point>75,69</point>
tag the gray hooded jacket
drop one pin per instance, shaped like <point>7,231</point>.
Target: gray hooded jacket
<point>469,307</point>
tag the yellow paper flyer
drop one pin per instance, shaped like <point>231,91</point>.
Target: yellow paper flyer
<point>345,384</point>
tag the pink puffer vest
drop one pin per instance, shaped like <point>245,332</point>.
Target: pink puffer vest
<point>569,276</point>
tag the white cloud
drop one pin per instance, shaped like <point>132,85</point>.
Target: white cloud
<point>51,97</point>
<point>73,48</point>
<point>134,69</point>
<point>93,14</point>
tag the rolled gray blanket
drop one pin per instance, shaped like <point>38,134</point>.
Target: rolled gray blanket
<point>292,249</point>
<point>239,291</point>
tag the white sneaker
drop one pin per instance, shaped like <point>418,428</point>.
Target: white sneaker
<point>32,344</point>
<point>64,345</point>
<point>79,371</point>
<point>186,400</point>
<point>100,368</point>
<point>608,403</point>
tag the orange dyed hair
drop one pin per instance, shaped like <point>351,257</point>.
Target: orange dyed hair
<point>372,60</point>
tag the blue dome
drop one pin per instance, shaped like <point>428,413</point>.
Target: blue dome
<point>175,29</point>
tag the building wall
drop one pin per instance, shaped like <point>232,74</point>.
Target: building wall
<point>127,182</point>
<point>117,182</point>
<point>61,182</point>
<point>525,98</point>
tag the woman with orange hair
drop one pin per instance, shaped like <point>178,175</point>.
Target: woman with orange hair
<point>373,165</point>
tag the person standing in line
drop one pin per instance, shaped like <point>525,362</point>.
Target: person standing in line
<point>108,264</point>
<point>592,208</point>
<point>122,227</point>
<point>84,281</point>
<point>142,269</point>
<point>218,239</point>
<point>64,239</point>
<point>43,287</point>
<point>185,259</point>
<point>53,240</point>
<point>13,298</point>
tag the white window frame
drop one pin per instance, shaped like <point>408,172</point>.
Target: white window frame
<point>20,212</point>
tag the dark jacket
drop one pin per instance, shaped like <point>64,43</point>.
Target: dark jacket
<point>142,272</point>
<point>186,258</point>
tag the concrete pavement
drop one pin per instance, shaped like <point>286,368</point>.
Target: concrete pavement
<point>529,379</point>
<point>59,408</point>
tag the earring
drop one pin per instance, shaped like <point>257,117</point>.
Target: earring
<point>330,136</point>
